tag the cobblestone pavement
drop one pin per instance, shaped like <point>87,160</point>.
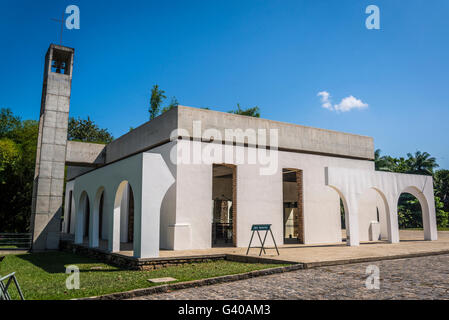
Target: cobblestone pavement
<point>414,278</point>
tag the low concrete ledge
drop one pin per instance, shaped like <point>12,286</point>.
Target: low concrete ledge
<point>309,265</point>
<point>131,263</point>
<point>192,284</point>
<point>252,259</point>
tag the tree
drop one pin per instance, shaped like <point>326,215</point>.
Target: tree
<point>9,157</point>
<point>252,112</point>
<point>8,122</point>
<point>157,97</point>
<point>173,104</point>
<point>409,212</point>
<point>383,163</point>
<point>441,215</point>
<point>85,130</point>
<point>441,187</point>
<point>17,153</point>
<point>421,163</point>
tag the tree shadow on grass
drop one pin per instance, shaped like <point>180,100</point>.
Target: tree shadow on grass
<point>56,261</point>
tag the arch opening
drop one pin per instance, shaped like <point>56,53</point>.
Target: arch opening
<point>374,216</point>
<point>341,209</point>
<point>124,218</point>
<point>82,218</point>
<point>411,208</point>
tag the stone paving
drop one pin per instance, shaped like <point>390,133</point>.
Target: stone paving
<point>414,278</point>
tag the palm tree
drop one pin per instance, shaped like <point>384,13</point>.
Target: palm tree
<point>421,163</point>
<point>383,163</point>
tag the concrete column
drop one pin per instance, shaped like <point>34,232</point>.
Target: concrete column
<point>156,180</point>
<point>79,228</point>
<point>353,223</point>
<point>428,219</point>
<point>51,148</point>
<point>114,222</point>
<point>392,221</point>
<point>94,221</point>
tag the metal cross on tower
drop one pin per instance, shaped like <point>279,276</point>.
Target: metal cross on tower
<point>62,25</point>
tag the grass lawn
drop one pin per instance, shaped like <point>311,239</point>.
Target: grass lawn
<point>42,275</point>
<point>420,229</point>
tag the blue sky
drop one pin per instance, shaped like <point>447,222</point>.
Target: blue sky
<point>277,55</point>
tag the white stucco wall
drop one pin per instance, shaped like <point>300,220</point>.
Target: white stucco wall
<point>173,202</point>
<point>150,178</point>
<point>260,197</point>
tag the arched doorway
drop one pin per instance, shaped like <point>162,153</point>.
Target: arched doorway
<point>97,230</point>
<point>86,218</point>
<point>374,216</point>
<point>411,208</point>
<point>124,216</point>
<point>82,218</point>
<point>341,216</point>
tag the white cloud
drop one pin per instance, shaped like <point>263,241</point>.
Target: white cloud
<point>325,101</point>
<point>345,105</point>
<point>349,103</point>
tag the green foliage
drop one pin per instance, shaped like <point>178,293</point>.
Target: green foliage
<point>9,157</point>
<point>252,112</point>
<point>157,97</point>
<point>173,104</point>
<point>418,163</point>
<point>18,140</point>
<point>409,212</point>
<point>441,214</point>
<point>441,186</point>
<point>85,130</point>
<point>8,122</point>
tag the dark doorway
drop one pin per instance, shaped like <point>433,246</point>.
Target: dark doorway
<point>100,217</point>
<point>224,206</point>
<point>130,214</point>
<point>69,214</point>
<point>86,218</point>
<point>293,207</point>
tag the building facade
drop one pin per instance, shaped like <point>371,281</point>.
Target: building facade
<point>195,179</point>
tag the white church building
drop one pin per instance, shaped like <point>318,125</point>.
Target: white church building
<point>197,179</point>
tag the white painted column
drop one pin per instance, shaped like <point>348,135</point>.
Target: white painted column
<point>428,217</point>
<point>79,223</point>
<point>113,211</point>
<point>156,180</point>
<point>93,223</point>
<point>392,220</point>
<point>353,223</point>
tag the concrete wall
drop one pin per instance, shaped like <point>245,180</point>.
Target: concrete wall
<point>149,134</point>
<point>85,153</point>
<point>291,136</point>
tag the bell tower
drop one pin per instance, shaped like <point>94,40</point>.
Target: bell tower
<point>51,148</point>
